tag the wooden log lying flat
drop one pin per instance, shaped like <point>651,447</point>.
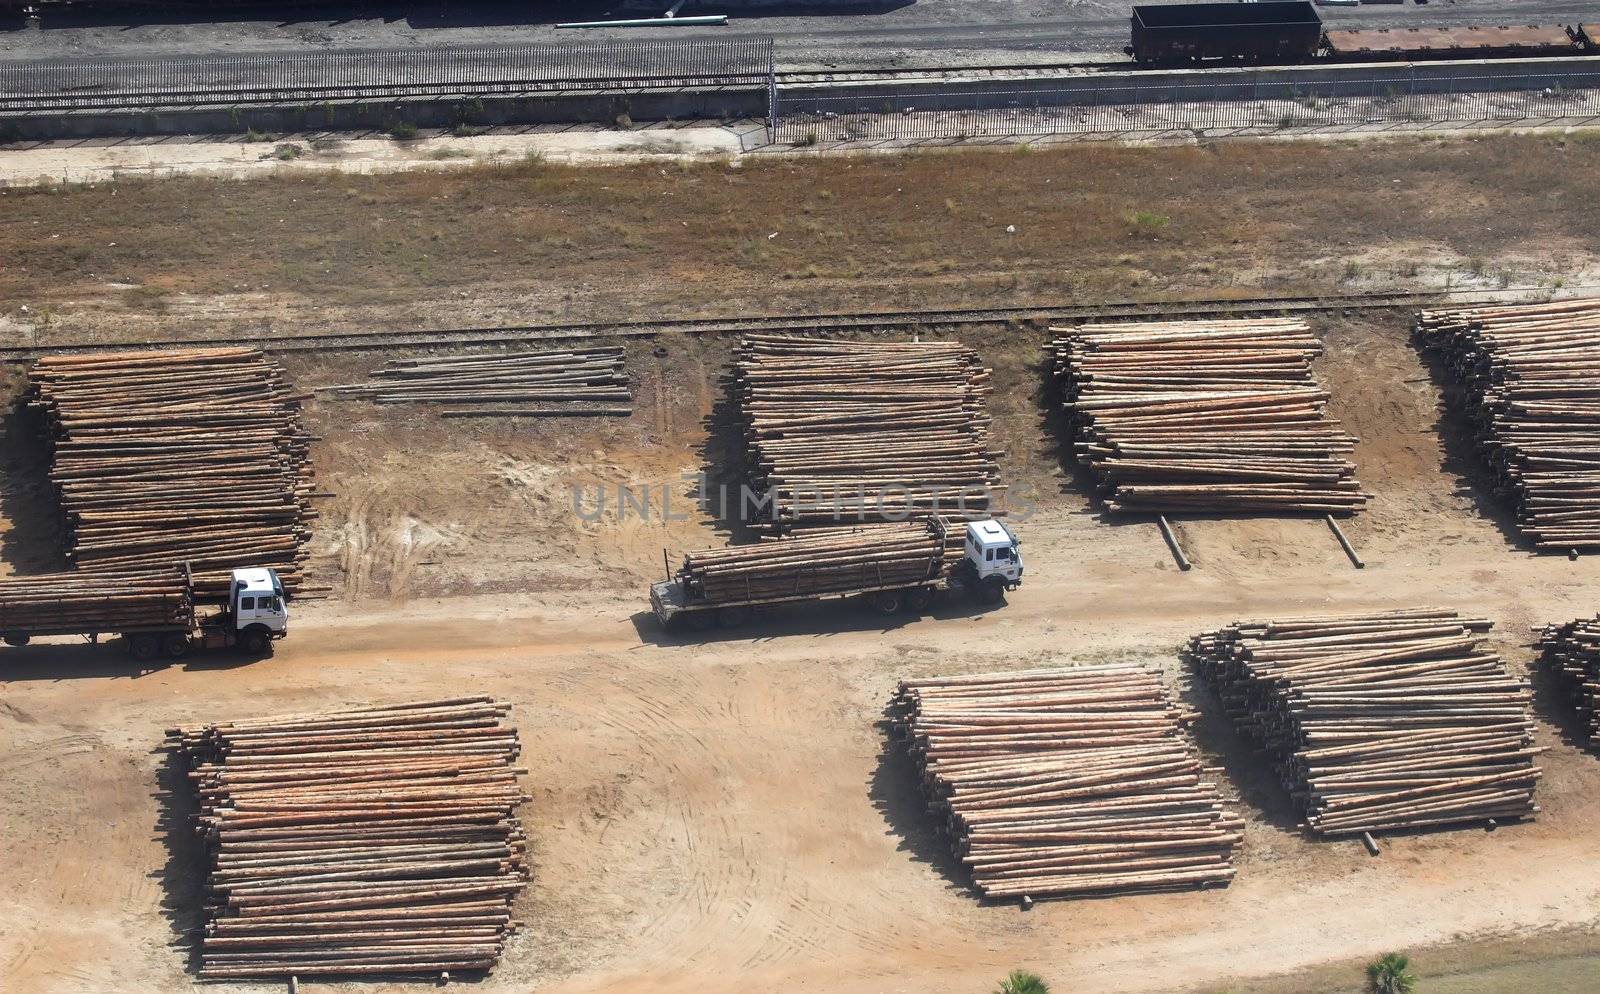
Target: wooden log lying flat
<point>1205,416</point>
<point>906,554</point>
<point>377,840</point>
<point>531,412</point>
<point>1066,781</point>
<point>1572,652</point>
<point>95,601</point>
<point>1396,720</point>
<point>563,382</point>
<point>861,432</point>
<point>1529,377</point>
<point>194,455</point>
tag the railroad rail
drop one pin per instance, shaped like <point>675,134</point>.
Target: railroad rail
<point>188,98</point>
<point>316,77</point>
<point>818,323</point>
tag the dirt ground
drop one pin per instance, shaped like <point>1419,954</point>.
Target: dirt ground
<point>723,815</point>
<point>530,242</point>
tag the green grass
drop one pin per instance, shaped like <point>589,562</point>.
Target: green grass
<point>1147,223</point>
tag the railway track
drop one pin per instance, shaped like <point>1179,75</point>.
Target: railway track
<point>812,323</point>
<point>176,96</point>
<point>181,98</point>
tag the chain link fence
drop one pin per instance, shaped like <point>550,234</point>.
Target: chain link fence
<point>1086,107</point>
<point>499,69</point>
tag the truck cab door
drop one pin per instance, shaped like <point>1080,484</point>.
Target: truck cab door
<point>260,608</point>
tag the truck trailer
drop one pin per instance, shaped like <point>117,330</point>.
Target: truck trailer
<point>155,614</point>
<point>889,568</point>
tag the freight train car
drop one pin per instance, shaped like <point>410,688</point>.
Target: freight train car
<point>1275,31</point>
<point>1287,33</point>
<point>1498,42</point>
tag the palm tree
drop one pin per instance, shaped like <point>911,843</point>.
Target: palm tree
<point>1022,982</point>
<point>1390,974</point>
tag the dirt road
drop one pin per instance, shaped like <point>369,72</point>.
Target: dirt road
<point>720,816</point>
<point>723,815</point>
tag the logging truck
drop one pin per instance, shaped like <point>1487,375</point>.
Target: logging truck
<point>987,564</point>
<point>155,614</point>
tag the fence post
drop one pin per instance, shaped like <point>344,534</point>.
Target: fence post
<point>772,93</point>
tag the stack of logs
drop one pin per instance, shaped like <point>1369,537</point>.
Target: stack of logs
<point>570,383</point>
<point>1210,416</point>
<point>902,555</point>
<point>1066,781</point>
<point>74,603</point>
<point>1529,374</point>
<point>866,431</point>
<point>1572,650</point>
<point>194,456</point>
<point>372,841</point>
<point>1398,720</point>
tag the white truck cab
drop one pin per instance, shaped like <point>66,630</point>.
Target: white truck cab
<point>256,605</point>
<point>992,560</point>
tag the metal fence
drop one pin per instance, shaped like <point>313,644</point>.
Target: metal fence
<point>1085,108</point>
<point>347,74</point>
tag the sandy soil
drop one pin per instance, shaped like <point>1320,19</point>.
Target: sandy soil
<point>113,159</point>
<point>119,159</point>
<point>722,815</point>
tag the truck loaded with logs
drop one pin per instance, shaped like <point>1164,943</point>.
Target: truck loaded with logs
<point>155,613</point>
<point>891,567</point>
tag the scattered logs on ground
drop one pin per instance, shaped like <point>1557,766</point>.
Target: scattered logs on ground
<point>94,601</point>
<point>161,458</point>
<point>1572,650</point>
<point>370,841</point>
<point>562,383</point>
<point>1531,379</point>
<point>1397,720</point>
<point>1066,781</point>
<point>865,431</point>
<point>902,555</point>
<point>1209,416</point>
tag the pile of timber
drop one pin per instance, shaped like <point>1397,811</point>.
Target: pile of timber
<point>866,431</point>
<point>1397,720</point>
<point>377,840</point>
<point>1572,650</point>
<point>564,384</point>
<point>1208,416</point>
<point>1531,379</point>
<point>1066,781</point>
<point>88,602</point>
<point>902,555</point>
<point>161,458</point>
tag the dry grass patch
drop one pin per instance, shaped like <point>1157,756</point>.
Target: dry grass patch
<point>1056,221</point>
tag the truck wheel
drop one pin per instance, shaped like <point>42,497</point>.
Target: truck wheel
<point>919,599</point>
<point>143,647</point>
<point>733,616</point>
<point>886,601</point>
<point>175,646</point>
<point>255,640</point>
<point>703,621</point>
<point>992,591</point>
<point>16,640</point>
